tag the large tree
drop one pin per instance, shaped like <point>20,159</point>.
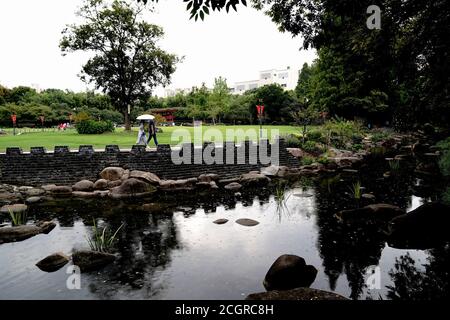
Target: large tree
<point>127,63</point>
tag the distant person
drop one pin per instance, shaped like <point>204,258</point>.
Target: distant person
<point>152,132</point>
<point>142,139</point>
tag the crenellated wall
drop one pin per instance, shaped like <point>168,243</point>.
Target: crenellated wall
<point>64,167</point>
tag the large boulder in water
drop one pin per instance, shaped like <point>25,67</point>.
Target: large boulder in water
<point>423,228</point>
<point>178,185</point>
<point>92,260</point>
<point>254,179</point>
<point>132,188</point>
<point>145,176</point>
<point>14,208</point>
<point>379,211</point>
<point>304,294</point>
<point>84,186</point>
<point>112,173</point>
<point>20,233</point>
<point>289,272</point>
<point>101,184</point>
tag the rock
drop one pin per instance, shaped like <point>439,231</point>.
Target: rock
<point>14,208</point>
<point>126,174</point>
<point>145,176</point>
<point>101,193</point>
<point>24,189</point>
<point>379,211</point>
<point>207,185</point>
<point>423,228</point>
<point>92,260</point>
<point>220,221</point>
<point>289,272</point>
<point>224,182</point>
<point>60,190</point>
<point>112,173</point>
<point>305,294</point>
<point>132,188</point>
<point>48,187</point>
<point>34,192</point>
<point>387,175</point>
<point>368,196</point>
<point>247,222</point>
<point>208,177</point>
<point>154,207</point>
<point>254,179</point>
<point>53,262</point>
<point>101,184</point>
<point>271,171</point>
<point>428,169</point>
<point>114,184</point>
<point>84,194</point>
<point>177,185</point>
<point>234,186</point>
<point>296,152</point>
<point>33,200</point>
<point>20,233</point>
<point>83,185</point>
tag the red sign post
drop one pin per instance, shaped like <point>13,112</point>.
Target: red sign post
<point>260,113</point>
<point>14,120</point>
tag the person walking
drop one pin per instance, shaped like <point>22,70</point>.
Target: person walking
<point>152,132</point>
<point>142,138</point>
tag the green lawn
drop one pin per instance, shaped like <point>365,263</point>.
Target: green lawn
<point>125,140</point>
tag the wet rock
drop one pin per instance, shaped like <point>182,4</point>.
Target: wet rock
<point>112,173</point>
<point>8,197</point>
<point>247,222</point>
<point>304,294</point>
<point>84,185</point>
<point>84,194</point>
<point>423,228</point>
<point>368,196</point>
<point>126,174</point>
<point>53,262</point>
<point>34,192</point>
<point>33,200</point>
<point>271,171</point>
<point>132,188</point>
<point>60,190</point>
<point>254,179</point>
<point>101,193</point>
<point>289,272</point>
<point>220,221</point>
<point>145,176</point>
<point>209,177</point>
<point>20,233</point>
<point>92,260</point>
<point>14,208</point>
<point>379,211</point>
<point>234,186</point>
<point>48,187</point>
<point>101,184</point>
<point>114,184</point>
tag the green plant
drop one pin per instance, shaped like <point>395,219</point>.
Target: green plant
<point>306,160</point>
<point>323,160</point>
<point>394,166</point>
<point>356,190</point>
<point>18,218</point>
<point>94,127</point>
<point>281,199</point>
<point>102,240</point>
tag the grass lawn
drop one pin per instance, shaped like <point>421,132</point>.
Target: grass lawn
<point>125,140</point>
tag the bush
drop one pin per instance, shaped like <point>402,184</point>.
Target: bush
<point>316,135</point>
<point>306,160</point>
<point>94,127</point>
<point>292,141</point>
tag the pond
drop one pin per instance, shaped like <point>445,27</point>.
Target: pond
<point>179,253</point>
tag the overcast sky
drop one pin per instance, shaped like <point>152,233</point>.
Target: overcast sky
<point>235,46</point>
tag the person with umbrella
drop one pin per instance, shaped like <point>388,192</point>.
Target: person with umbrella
<point>142,138</point>
<point>152,132</point>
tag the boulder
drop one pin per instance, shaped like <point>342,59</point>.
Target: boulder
<point>53,262</point>
<point>145,176</point>
<point>234,186</point>
<point>380,211</point>
<point>112,173</point>
<point>34,192</point>
<point>20,233</point>
<point>14,208</point>
<point>207,185</point>
<point>423,228</point>
<point>177,185</point>
<point>289,272</point>
<point>83,185</point>
<point>101,184</point>
<point>247,222</point>
<point>369,197</point>
<point>33,200</point>
<point>113,184</point>
<point>60,190</point>
<point>220,221</point>
<point>304,294</point>
<point>126,174</point>
<point>101,193</point>
<point>254,179</point>
<point>92,260</point>
<point>208,177</point>
<point>132,188</point>
<point>271,171</point>
<point>296,152</point>
<point>84,194</point>
<point>48,187</point>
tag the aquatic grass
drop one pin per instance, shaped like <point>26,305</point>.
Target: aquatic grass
<point>281,197</point>
<point>394,166</point>
<point>18,218</point>
<point>102,240</point>
<point>356,190</point>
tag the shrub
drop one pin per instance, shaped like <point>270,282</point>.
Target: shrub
<point>306,160</point>
<point>292,141</point>
<point>94,127</point>
<point>316,135</point>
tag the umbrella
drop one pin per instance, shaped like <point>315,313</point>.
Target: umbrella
<point>146,117</point>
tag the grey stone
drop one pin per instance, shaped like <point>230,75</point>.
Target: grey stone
<point>92,260</point>
<point>112,173</point>
<point>53,262</point>
<point>247,222</point>
<point>83,185</point>
<point>220,221</point>
<point>145,176</point>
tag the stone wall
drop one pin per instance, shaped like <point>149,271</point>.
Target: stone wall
<point>64,167</point>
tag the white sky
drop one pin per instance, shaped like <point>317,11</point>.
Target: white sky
<point>235,45</point>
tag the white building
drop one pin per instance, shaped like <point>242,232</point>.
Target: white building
<point>287,78</point>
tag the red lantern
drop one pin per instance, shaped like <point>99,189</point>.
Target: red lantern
<point>14,119</point>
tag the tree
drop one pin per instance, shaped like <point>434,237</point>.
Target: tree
<point>197,105</point>
<point>127,63</point>
<point>219,99</point>
<point>279,104</point>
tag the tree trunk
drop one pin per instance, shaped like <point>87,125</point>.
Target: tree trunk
<point>127,120</point>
